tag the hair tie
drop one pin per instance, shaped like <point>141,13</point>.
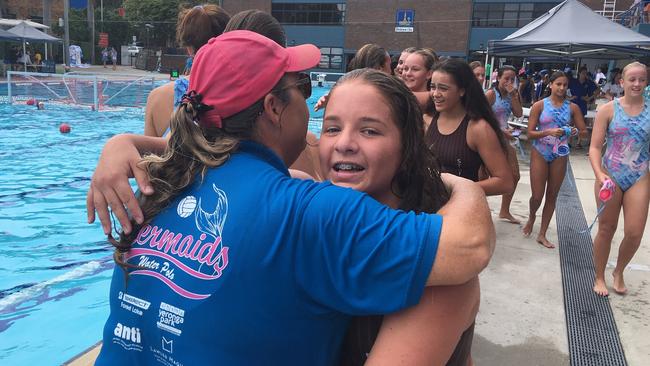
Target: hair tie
<point>194,99</point>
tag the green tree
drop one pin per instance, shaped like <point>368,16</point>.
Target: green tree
<point>161,14</point>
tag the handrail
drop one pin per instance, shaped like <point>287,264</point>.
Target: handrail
<point>634,15</point>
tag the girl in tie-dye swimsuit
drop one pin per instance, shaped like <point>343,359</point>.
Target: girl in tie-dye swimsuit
<point>549,127</point>
<point>552,117</point>
<point>626,158</point>
<point>505,101</point>
<point>624,124</point>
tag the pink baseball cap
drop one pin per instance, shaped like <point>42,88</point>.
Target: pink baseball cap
<point>236,69</point>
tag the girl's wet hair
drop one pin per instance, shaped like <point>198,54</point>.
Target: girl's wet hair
<point>556,75</point>
<point>500,73</point>
<point>371,55</point>
<point>197,25</point>
<point>429,57</point>
<point>417,181</point>
<point>259,22</point>
<point>409,50</point>
<point>632,65</point>
<point>475,64</point>
<point>474,101</point>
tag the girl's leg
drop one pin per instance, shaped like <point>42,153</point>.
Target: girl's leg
<point>607,223</point>
<point>635,213</point>
<point>507,198</point>
<point>557,170</point>
<point>538,176</point>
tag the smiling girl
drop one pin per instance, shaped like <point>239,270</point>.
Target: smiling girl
<point>549,122</point>
<point>373,141</point>
<point>625,124</point>
<point>463,133</point>
<point>417,70</point>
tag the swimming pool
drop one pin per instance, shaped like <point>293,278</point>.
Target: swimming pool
<point>54,267</point>
<point>316,118</point>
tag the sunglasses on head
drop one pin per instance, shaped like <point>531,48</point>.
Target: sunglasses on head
<point>303,84</point>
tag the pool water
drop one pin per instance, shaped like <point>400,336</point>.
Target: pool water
<point>55,269</point>
<point>54,266</point>
<point>316,118</point>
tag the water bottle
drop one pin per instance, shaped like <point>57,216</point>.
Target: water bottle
<point>607,190</point>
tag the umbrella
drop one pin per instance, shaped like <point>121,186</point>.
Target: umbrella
<point>26,32</point>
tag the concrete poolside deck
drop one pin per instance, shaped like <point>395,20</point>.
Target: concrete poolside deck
<point>522,316</point>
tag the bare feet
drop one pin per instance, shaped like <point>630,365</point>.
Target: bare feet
<point>528,228</point>
<point>542,240</point>
<point>508,217</point>
<point>600,288</point>
<point>619,283</point>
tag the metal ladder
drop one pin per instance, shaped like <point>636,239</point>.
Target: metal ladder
<point>609,9</point>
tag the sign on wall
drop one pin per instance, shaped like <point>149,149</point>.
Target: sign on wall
<point>404,20</point>
<point>103,39</point>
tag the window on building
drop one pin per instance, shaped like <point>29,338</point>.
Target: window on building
<point>309,13</point>
<point>331,58</point>
<point>36,18</point>
<point>8,15</point>
<point>507,15</point>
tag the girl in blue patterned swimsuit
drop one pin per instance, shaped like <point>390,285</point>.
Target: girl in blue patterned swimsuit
<point>549,127</point>
<point>625,124</point>
<point>504,99</point>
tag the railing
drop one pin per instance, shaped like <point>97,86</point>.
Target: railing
<point>634,15</point>
<point>610,13</point>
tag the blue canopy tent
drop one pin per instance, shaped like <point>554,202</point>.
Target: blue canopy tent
<point>572,30</point>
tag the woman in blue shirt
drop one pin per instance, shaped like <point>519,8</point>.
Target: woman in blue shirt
<point>217,266</point>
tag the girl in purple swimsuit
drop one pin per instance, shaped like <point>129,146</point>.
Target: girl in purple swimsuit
<point>549,128</point>
<point>625,124</point>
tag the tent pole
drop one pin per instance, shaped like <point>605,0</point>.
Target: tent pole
<point>24,56</point>
<point>487,77</point>
<point>492,68</point>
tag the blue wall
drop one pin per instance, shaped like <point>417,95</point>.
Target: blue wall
<point>309,1</point>
<point>513,1</point>
<point>320,35</point>
<point>642,28</point>
<point>483,35</point>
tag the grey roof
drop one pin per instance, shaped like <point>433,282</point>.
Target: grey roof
<point>4,35</point>
<point>572,29</point>
<point>29,33</point>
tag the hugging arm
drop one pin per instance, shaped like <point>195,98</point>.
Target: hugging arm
<point>109,187</point>
<point>467,238</point>
<point>485,141</point>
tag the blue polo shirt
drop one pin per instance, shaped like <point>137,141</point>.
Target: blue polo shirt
<point>250,267</point>
<point>580,90</point>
